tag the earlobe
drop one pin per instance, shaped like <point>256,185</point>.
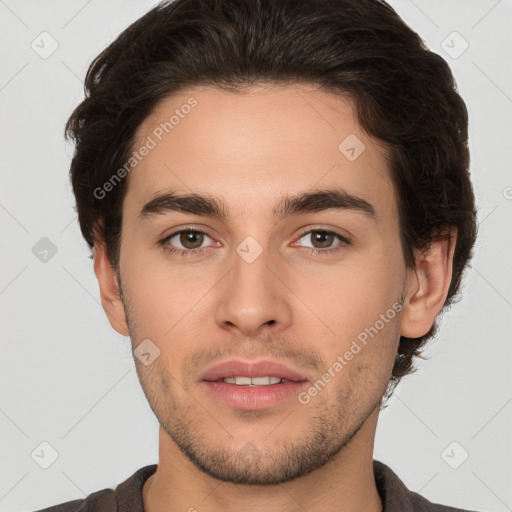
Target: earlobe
<point>427,286</point>
<point>109,289</point>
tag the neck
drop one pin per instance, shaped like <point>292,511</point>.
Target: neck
<point>346,483</point>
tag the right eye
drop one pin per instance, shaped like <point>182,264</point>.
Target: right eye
<point>190,240</point>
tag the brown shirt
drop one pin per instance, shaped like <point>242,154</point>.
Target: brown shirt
<point>127,497</point>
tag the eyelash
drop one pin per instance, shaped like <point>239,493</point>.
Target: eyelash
<point>198,252</point>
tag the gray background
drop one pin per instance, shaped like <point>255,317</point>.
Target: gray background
<point>69,380</point>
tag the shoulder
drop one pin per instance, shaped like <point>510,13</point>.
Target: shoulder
<point>396,496</point>
<point>127,496</point>
<point>100,501</point>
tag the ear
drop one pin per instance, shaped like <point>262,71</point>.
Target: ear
<point>427,287</point>
<point>109,289</point>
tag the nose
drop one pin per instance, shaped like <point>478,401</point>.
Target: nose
<point>253,297</point>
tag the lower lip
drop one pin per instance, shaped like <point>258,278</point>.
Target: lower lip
<point>253,398</point>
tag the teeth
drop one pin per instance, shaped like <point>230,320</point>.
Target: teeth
<point>254,381</point>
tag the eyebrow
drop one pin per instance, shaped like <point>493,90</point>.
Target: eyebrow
<point>307,202</point>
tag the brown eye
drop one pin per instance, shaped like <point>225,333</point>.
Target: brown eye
<point>191,239</point>
<point>186,240</point>
<point>323,239</point>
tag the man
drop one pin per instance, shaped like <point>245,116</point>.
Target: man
<point>278,200</point>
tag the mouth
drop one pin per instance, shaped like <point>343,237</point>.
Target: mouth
<point>252,385</point>
<point>254,381</point>
<point>252,373</point>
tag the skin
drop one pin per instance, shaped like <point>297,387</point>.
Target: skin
<point>249,150</point>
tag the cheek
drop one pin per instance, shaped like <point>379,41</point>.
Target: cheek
<point>350,291</point>
<point>164,299</point>
<point>348,300</point>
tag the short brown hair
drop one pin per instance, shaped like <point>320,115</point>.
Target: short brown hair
<point>404,95</point>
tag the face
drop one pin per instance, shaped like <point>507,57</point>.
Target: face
<point>305,288</point>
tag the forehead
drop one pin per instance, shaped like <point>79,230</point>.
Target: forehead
<point>251,147</point>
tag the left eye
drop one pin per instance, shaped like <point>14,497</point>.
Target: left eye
<point>324,239</point>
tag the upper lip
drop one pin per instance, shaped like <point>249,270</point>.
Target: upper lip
<point>240,368</point>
